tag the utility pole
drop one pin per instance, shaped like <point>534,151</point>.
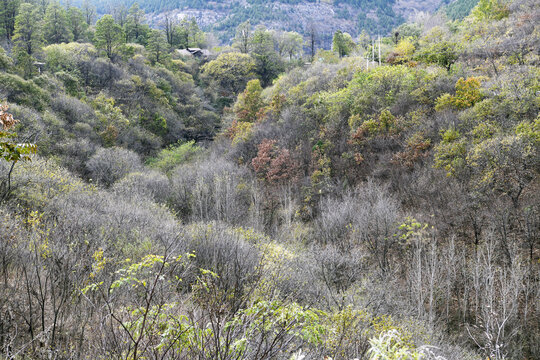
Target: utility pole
<point>379,50</point>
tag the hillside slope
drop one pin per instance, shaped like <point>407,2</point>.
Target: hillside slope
<point>224,16</point>
<point>249,205</point>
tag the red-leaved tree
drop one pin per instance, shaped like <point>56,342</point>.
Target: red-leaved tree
<point>273,164</point>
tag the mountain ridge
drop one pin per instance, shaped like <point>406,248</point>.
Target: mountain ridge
<point>222,17</point>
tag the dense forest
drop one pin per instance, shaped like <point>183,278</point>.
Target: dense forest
<point>459,9</point>
<point>269,199</point>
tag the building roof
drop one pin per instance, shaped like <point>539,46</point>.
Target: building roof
<point>194,52</point>
<point>184,52</point>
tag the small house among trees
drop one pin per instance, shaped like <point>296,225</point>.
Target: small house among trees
<point>196,52</point>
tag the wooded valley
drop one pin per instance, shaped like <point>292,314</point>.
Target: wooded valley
<point>166,197</point>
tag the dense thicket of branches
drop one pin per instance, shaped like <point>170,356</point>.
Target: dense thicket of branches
<point>380,202</point>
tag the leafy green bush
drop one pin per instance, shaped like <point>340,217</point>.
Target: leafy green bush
<point>23,92</point>
<point>175,155</point>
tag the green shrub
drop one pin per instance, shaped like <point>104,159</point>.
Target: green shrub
<point>22,92</point>
<point>175,155</point>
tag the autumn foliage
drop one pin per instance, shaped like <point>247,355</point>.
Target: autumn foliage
<point>274,164</point>
<point>416,150</point>
<point>249,107</point>
<point>6,119</point>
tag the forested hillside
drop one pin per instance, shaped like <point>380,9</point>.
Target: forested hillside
<point>459,9</point>
<point>269,199</point>
<point>223,16</point>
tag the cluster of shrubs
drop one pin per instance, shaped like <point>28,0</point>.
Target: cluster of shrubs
<point>343,212</point>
